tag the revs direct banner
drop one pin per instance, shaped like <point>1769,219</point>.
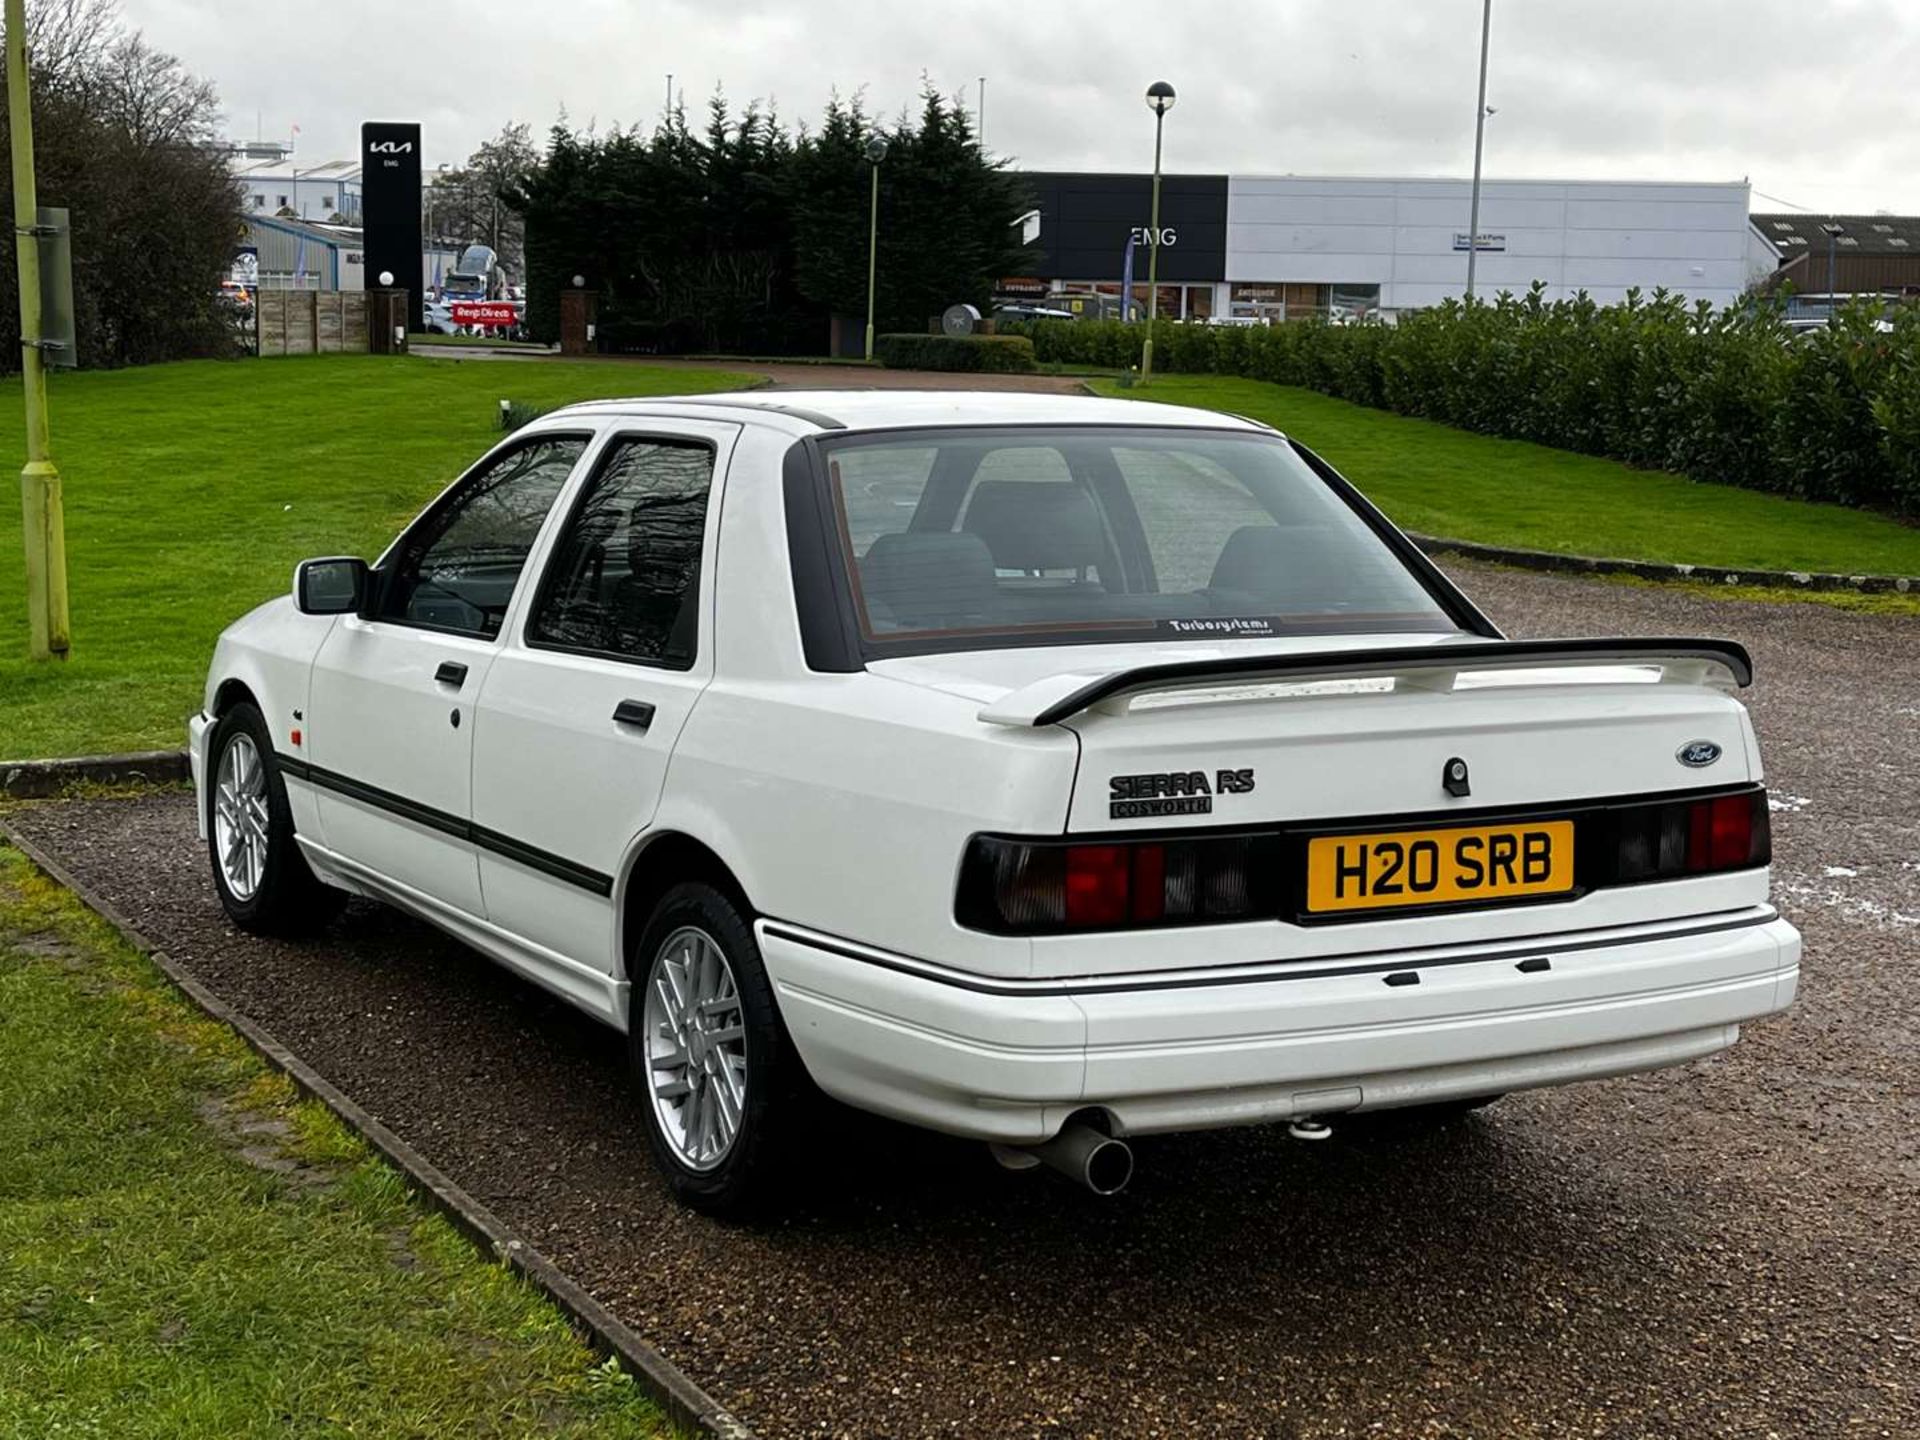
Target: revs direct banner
<point>483,312</point>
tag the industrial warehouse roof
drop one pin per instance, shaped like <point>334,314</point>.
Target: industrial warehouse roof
<point>350,236</point>
<point>1795,235</point>
<point>286,169</point>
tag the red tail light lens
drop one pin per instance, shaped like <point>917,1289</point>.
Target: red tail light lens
<point>1693,837</point>
<point>1098,881</point>
<point>1729,830</point>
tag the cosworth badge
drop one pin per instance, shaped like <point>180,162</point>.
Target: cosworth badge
<point>1174,792</point>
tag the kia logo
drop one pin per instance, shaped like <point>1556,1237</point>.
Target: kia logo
<point>1698,753</point>
<point>391,147</point>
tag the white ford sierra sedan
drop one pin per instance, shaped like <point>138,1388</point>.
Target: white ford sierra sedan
<point>1042,770</point>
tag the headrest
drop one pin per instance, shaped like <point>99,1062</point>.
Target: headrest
<point>663,542</point>
<point>1027,526</point>
<point>1273,562</point>
<point>929,580</point>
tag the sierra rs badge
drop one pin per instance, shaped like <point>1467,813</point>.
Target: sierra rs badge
<point>1173,792</point>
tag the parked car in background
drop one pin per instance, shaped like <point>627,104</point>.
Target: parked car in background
<point>1024,311</point>
<point>1043,770</point>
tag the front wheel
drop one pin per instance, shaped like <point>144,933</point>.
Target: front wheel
<point>717,1075</point>
<point>263,879</point>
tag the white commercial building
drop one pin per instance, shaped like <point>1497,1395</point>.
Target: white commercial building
<point>1409,237</point>
<point>314,192</point>
<point>1287,245</point>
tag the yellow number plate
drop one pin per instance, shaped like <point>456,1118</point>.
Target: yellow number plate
<point>1439,867</point>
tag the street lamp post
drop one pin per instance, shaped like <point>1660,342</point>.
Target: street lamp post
<point>1834,231</point>
<point>876,152</point>
<point>1479,137</point>
<point>1159,100</point>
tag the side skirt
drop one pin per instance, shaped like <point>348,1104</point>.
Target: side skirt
<point>593,991</point>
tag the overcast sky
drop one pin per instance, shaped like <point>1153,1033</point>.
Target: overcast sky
<point>1816,101</point>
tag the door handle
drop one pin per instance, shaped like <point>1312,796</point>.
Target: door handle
<point>636,713</point>
<point>451,672</point>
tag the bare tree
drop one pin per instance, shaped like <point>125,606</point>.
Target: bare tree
<point>471,204</point>
<point>120,135</point>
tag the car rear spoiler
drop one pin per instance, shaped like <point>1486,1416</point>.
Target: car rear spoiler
<point>1056,698</point>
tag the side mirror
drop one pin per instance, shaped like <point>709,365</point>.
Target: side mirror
<point>336,585</point>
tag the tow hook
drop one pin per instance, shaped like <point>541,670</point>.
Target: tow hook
<point>1309,1127</point>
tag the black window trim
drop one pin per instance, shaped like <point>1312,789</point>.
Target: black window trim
<point>829,618</point>
<point>383,575</point>
<point>602,457</point>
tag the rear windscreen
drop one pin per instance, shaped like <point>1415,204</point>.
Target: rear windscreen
<point>1095,532</point>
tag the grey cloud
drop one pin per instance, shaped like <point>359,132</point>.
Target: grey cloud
<point>1815,102</point>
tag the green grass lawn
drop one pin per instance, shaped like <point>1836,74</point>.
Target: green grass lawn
<point>192,489</point>
<point>187,1250</point>
<point>1436,480</point>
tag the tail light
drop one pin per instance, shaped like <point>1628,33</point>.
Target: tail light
<point>1074,885</point>
<point>1693,837</point>
<point>1026,887</point>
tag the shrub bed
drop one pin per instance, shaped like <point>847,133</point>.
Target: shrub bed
<point>1729,396</point>
<point>993,354</point>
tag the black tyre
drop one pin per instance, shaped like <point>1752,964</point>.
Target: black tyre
<point>262,877</point>
<point>719,1082</point>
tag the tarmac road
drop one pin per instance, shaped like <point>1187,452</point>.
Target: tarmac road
<point>1729,1249</point>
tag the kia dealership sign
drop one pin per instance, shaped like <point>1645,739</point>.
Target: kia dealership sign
<point>390,208</point>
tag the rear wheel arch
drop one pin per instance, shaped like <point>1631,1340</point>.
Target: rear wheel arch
<point>667,860</point>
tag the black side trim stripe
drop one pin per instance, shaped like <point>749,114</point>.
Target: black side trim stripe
<point>1518,946</point>
<point>534,858</point>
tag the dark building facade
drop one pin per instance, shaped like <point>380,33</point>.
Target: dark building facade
<point>1085,223</point>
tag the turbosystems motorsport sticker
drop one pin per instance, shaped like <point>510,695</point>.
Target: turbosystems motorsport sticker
<point>1242,625</point>
<point>1173,792</point>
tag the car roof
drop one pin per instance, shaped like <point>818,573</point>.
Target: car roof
<point>819,411</point>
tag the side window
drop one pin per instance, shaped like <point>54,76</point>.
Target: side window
<point>624,579</point>
<point>457,570</point>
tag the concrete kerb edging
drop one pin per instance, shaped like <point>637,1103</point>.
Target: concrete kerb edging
<point>685,1402</point>
<point>1555,563</point>
<point>39,779</point>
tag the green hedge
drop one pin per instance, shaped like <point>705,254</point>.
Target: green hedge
<point>1729,396</point>
<point>996,354</point>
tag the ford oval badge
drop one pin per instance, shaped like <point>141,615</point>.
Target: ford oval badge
<point>1698,753</point>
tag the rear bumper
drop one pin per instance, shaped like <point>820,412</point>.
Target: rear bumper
<point>1010,1061</point>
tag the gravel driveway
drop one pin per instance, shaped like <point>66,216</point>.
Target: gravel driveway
<point>1728,1249</point>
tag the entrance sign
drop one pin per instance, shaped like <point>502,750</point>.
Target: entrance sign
<point>390,205</point>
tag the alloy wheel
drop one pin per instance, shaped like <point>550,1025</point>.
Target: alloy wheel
<point>240,816</point>
<point>696,1048</point>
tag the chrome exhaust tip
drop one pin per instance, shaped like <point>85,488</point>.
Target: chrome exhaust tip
<point>1084,1155</point>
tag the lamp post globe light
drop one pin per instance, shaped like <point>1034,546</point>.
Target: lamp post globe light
<point>1160,99</point>
<point>876,152</point>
